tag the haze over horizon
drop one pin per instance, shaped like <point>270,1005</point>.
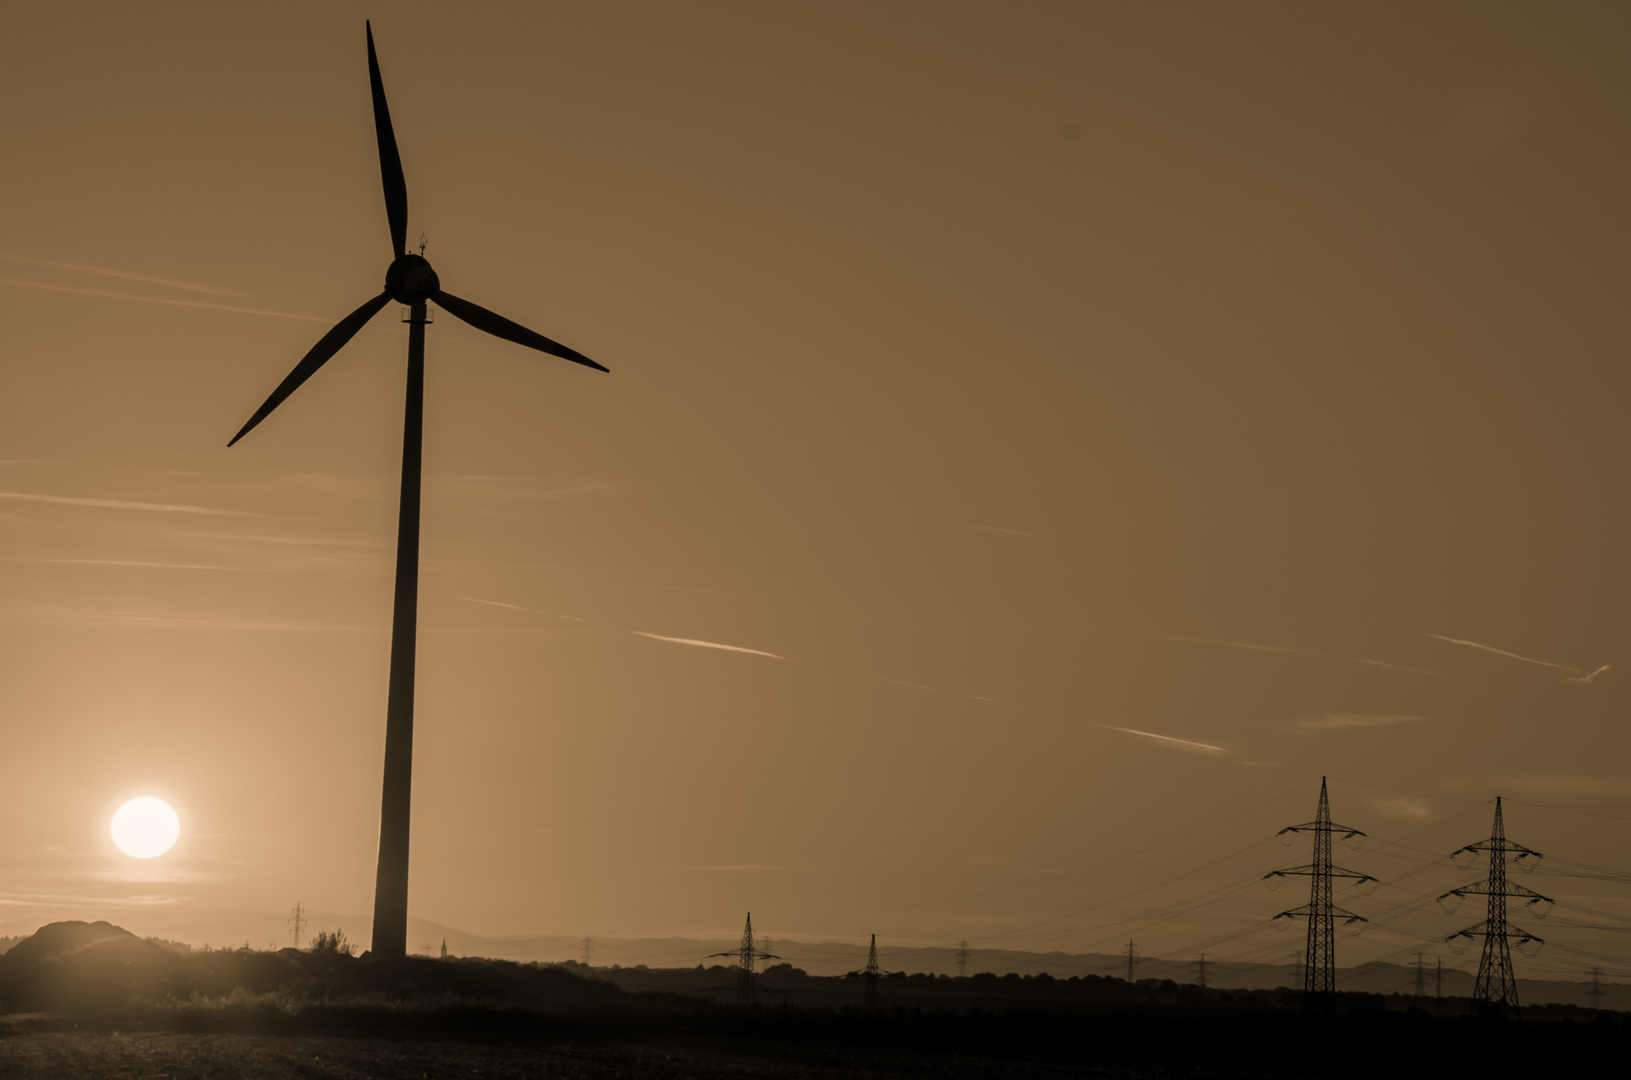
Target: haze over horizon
<point>1041,443</point>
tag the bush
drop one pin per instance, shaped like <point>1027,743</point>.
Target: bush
<point>334,944</point>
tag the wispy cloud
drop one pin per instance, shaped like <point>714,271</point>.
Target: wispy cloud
<point>1000,531</point>
<point>1602,786</point>
<point>16,284</point>
<point>1587,678</point>
<point>120,504</point>
<point>707,644</point>
<point>163,620</point>
<point>98,271</point>
<point>1503,652</point>
<point>1177,744</point>
<point>1417,808</point>
<point>933,690</point>
<point>749,866</point>
<point>1334,721</point>
<point>1367,661</point>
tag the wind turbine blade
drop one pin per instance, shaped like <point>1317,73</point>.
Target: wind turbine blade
<point>331,343</point>
<point>390,162</point>
<point>499,326</point>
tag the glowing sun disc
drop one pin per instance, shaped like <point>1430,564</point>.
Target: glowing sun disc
<point>145,828</point>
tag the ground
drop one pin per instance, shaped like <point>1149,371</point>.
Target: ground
<point>171,1056</point>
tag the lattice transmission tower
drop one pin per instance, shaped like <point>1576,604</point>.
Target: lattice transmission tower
<point>747,956</point>
<point>1319,969</point>
<point>1496,991</point>
<point>962,959</point>
<point>297,921</point>
<point>872,975</point>
<point>1132,960</point>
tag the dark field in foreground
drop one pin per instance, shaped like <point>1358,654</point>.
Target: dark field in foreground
<point>151,1055</point>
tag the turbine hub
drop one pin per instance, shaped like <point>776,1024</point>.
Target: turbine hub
<point>410,280</point>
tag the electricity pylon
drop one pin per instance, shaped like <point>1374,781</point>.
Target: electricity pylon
<point>962,959</point>
<point>1421,975</point>
<point>297,920</point>
<point>1200,966</point>
<point>1596,988</point>
<point>872,975</point>
<point>746,956</point>
<point>588,950</point>
<point>1319,971</point>
<point>1132,960</point>
<point>1496,991</point>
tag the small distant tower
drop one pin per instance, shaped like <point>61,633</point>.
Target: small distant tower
<point>444,948</point>
<point>962,959</point>
<point>746,955</point>
<point>297,920</point>
<point>1596,988</point>
<point>872,974</point>
<point>1132,960</point>
<point>1421,975</point>
<point>1200,968</point>
<point>588,951</point>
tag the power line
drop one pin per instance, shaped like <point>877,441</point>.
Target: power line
<point>297,920</point>
<point>747,954</point>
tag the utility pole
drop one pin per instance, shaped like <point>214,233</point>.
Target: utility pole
<point>1596,988</point>
<point>1319,971</point>
<point>962,959</point>
<point>297,920</point>
<point>872,974</point>
<point>1496,991</point>
<point>1421,975</point>
<point>588,951</point>
<point>1200,966</point>
<point>1132,960</point>
<point>746,954</point>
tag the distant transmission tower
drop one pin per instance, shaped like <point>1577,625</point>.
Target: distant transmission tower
<point>1596,988</point>
<point>746,956</point>
<point>1200,967</point>
<point>872,975</point>
<point>962,959</point>
<point>1421,975</point>
<point>1132,960</point>
<point>297,920</point>
<point>1319,971</point>
<point>1496,991</point>
<point>588,951</point>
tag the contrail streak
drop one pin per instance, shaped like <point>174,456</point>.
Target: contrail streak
<point>707,644</point>
<point>1503,652</point>
<point>100,272</point>
<point>1293,652</point>
<point>120,504</point>
<point>155,300</point>
<point>1180,744</point>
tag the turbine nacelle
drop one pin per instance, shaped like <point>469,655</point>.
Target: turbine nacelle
<point>410,280</point>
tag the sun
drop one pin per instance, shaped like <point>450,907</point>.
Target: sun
<point>145,828</point>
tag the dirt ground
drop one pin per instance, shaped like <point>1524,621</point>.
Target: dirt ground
<point>171,1056</point>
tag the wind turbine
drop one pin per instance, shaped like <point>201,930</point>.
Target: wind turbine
<point>411,281</point>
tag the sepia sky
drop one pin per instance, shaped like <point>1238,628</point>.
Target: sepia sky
<point>1041,441</point>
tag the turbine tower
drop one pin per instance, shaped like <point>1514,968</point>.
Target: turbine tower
<point>408,280</point>
<point>1319,970</point>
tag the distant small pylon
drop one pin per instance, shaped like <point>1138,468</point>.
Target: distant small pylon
<point>297,920</point>
<point>872,974</point>
<point>1200,968</point>
<point>962,959</point>
<point>1132,959</point>
<point>747,954</point>
<point>588,951</point>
